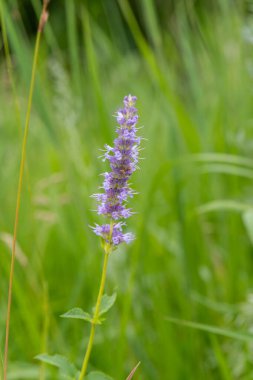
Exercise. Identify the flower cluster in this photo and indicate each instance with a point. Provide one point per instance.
(123, 159)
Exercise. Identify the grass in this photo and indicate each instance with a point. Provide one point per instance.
(192, 259)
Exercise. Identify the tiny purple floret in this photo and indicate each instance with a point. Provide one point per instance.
(123, 159)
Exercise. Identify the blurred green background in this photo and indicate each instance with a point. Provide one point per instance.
(190, 63)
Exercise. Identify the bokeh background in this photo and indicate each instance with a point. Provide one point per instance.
(190, 63)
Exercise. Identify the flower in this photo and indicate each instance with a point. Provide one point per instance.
(123, 159)
(116, 236)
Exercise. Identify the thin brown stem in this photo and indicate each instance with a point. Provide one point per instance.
(43, 19)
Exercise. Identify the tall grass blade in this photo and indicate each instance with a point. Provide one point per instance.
(73, 43)
(244, 336)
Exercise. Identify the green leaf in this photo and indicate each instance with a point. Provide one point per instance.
(220, 157)
(77, 313)
(242, 335)
(223, 205)
(96, 375)
(247, 217)
(60, 362)
(106, 303)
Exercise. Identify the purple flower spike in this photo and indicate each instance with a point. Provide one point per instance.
(123, 159)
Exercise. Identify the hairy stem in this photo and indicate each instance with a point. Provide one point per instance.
(108, 249)
(20, 182)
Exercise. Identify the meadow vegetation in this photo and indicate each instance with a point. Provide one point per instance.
(184, 305)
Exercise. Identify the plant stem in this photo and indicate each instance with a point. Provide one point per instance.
(9, 67)
(20, 182)
(108, 249)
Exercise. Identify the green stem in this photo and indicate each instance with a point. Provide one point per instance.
(108, 249)
(20, 182)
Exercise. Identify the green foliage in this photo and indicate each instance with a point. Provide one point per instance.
(106, 303)
(77, 313)
(245, 336)
(192, 258)
(248, 221)
(22, 371)
(97, 376)
(67, 369)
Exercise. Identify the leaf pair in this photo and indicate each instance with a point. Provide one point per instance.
(70, 372)
(68, 369)
(77, 313)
